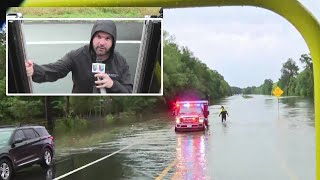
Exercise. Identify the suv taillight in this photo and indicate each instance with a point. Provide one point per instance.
(51, 137)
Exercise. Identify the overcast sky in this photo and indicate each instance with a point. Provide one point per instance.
(244, 44)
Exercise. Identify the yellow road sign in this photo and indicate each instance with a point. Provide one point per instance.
(277, 92)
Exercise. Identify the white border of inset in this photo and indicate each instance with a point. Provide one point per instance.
(85, 94)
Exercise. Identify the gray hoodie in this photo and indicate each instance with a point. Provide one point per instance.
(79, 62)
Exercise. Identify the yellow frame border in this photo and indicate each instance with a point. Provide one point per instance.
(291, 10)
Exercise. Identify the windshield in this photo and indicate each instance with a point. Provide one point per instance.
(191, 110)
(5, 137)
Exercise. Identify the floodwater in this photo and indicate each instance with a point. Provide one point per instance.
(263, 139)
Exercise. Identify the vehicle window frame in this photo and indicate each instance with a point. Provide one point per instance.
(34, 137)
(11, 136)
(14, 135)
(36, 133)
(42, 131)
(188, 110)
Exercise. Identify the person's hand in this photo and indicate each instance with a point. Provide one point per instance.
(29, 67)
(104, 82)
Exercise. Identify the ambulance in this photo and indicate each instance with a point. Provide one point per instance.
(191, 115)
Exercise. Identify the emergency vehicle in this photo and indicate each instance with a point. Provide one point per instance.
(191, 115)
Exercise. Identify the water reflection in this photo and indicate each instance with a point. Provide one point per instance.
(111, 167)
(36, 173)
(191, 157)
(269, 102)
(298, 111)
(225, 128)
(291, 102)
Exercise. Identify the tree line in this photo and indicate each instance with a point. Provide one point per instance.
(185, 72)
(292, 82)
(182, 72)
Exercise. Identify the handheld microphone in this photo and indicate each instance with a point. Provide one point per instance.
(99, 67)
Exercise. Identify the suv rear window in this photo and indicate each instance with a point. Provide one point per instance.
(42, 131)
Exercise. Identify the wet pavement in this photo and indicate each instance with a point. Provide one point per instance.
(257, 142)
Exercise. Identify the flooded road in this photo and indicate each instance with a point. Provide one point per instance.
(258, 142)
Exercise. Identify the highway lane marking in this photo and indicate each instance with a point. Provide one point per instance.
(288, 170)
(74, 42)
(94, 162)
(166, 170)
(284, 166)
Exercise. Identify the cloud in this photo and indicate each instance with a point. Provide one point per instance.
(239, 47)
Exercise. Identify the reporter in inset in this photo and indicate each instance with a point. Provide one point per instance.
(117, 77)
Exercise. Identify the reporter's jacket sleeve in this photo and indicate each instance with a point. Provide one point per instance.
(53, 71)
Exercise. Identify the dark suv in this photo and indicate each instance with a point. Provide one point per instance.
(23, 146)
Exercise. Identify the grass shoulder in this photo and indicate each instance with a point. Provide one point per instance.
(85, 12)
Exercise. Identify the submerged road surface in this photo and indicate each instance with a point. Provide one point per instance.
(257, 142)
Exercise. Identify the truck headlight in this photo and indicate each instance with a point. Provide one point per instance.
(177, 120)
(201, 120)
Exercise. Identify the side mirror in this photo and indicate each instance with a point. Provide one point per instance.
(208, 112)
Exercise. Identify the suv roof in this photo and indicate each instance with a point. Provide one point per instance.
(8, 126)
(30, 126)
(21, 126)
(41, 130)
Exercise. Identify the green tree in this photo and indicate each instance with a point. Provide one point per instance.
(249, 90)
(289, 72)
(305, 80)
(236, 90)
(184, 72)
(267, 87)
(307, 60)
(85, 106)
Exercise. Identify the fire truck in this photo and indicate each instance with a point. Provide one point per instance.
(191, 115)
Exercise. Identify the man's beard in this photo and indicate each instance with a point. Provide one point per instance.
(100, 51)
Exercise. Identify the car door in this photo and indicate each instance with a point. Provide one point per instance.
(18, 151)
(38, 143)
(33, 141)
